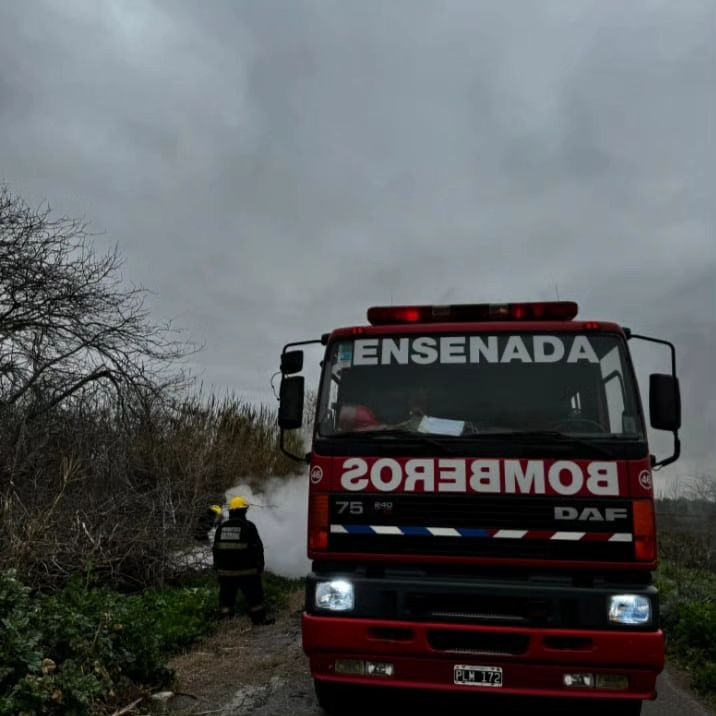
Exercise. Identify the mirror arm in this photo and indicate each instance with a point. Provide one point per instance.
(658, 464)
(298, 458)
(303, 343)
(664, 343)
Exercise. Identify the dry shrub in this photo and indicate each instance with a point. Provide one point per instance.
(98, 491)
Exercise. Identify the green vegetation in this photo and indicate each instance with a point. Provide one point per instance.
(688, 612)
(87, 649)
(687, 582)
(277, 590)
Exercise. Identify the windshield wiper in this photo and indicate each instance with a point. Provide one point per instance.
(551, 437)
(396, 434)
(546, 435)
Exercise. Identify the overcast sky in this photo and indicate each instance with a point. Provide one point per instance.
(271, 169)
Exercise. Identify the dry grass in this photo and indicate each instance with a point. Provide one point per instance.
(93, 490)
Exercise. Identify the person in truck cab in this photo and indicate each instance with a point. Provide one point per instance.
(354, 418)
(398, 408)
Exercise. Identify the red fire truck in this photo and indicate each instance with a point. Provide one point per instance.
(481, 509)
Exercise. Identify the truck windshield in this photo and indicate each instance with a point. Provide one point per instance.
(459, 385)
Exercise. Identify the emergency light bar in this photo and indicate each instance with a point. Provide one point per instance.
(546, 311)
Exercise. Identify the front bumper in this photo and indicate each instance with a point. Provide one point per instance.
(537, 671)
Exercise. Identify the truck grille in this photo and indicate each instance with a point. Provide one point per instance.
(479, 608)
(478, 643)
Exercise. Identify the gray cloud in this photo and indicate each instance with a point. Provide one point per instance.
(271, 169)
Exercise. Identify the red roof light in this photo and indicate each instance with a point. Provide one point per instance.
(412, 315)
(546, 311)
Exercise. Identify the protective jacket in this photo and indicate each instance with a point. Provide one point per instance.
(238, 550)
(206, 522)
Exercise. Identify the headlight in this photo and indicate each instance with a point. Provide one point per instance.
(336, 595)
(629, 609)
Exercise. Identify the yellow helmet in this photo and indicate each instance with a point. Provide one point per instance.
(238, 503)
(216, 509)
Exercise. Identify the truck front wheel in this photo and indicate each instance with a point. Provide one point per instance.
(622, 708)
(333, 698)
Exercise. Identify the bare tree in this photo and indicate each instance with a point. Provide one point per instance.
(703, 487)
(69, 325)
(107, 457)
(84, 373)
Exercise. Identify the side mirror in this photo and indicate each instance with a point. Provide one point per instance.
(290, 410)
(664, 402)
(291, 362)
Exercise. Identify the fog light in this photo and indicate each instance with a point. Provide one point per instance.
(354, 667)
(616, 682)
(579, 681)
(336, 595)
(376, 668)
(632, 609)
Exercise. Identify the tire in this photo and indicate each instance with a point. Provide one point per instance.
(328, 696)
(622, 708)
(334, 699)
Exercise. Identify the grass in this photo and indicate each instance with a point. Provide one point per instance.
(688, 613)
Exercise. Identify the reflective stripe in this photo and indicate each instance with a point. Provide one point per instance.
(231, 545)
(510, 534)
(568, 536)
(259, 608)
(236, 572)
(621, 537)
(443, 532)
(479, 532)
(386, 530)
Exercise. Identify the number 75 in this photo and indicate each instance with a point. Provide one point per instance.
(349, 506)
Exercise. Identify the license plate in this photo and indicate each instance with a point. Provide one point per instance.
(486, 676)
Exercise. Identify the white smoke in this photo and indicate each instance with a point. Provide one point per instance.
(280, 512)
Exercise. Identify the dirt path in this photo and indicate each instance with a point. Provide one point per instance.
(248, 670)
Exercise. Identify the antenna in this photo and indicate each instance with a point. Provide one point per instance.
(556, 291)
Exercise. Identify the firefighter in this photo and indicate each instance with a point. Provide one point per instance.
(210, 519)
(239, 563)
